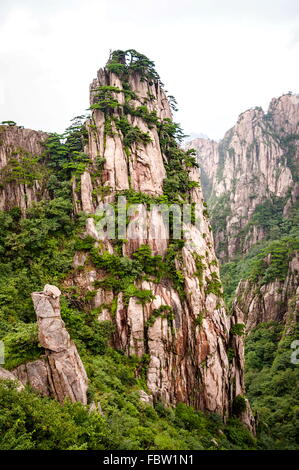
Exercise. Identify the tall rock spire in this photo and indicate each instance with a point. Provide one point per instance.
(167, 308)
(60, 373)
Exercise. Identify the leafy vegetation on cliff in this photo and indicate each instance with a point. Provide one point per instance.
(269, 259)
(40, 249)
(273, 384)
(271, 378)
(125, 64)
(124, 422)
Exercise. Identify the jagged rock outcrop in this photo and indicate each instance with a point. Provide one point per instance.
(251, 182)
(255, 304)
(174, 318)
(144, 171)
(22, 177)
(6, 375)
(60, 374)
(187, 350)
(256, 161)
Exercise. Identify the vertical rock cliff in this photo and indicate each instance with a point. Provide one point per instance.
(162, 294)
(251, 182)
(155, 278)
(251, 171)
(22, 176)
(257, 303)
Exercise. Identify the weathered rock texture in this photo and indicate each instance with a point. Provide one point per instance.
(22, 177)
(188, 360)
(270, 302)
(256, 161)
(61, 373)
(187, 351)
(250, 179)
(144, 171)
(6, 375)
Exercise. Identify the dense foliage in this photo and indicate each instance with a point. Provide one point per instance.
(40, 248)
(29, 421)
(130, 61)
(273, 384)
(269, 259)
(271, 378)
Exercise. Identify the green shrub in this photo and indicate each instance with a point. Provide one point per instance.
(143, 295)
(31, 422)
(200, 267)
(105, 101)
(214, 285)
(190, 419)
(164, 311)
(152, 265)
(131, 134)
(64, 153)
(23, 168)
(272, 384)
(86, 329)
(239, 405)
(238, 329)
(34, 251)
(239, 435)
(130, 61)
(21, 345)
(199, 319)
(86, 243)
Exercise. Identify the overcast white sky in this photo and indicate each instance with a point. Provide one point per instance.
(217, 57)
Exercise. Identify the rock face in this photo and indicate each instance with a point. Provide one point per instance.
(251, 182)
(188, 350)
(270, 302)
(175, 319)
(61, 373)
(256, 161)
(6, 375)
(22, 179)
(144, 171)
